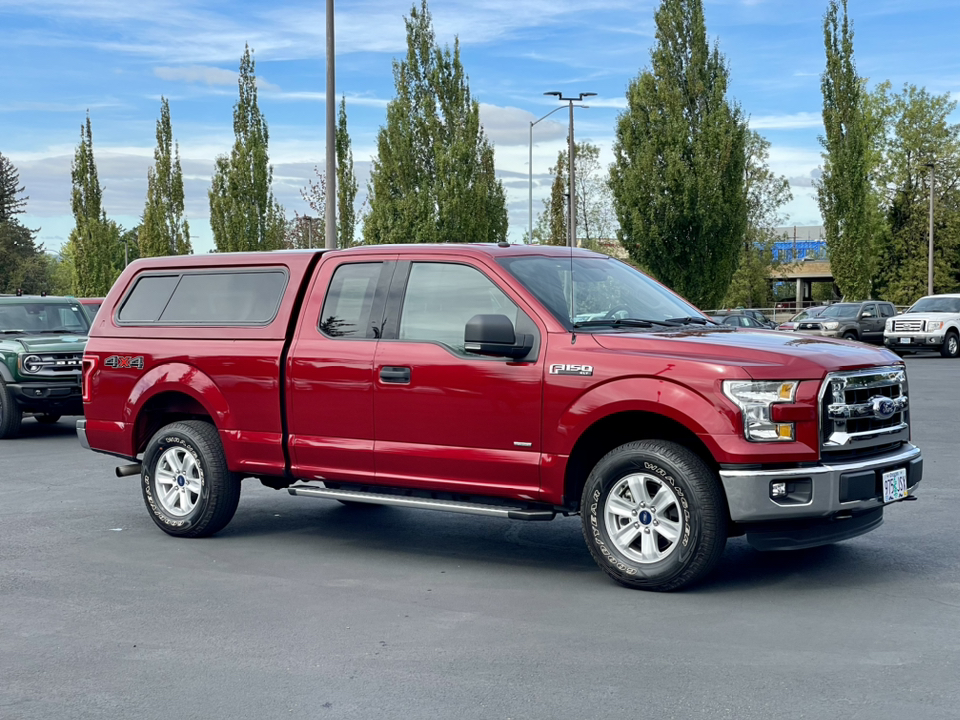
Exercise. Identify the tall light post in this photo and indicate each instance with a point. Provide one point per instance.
(572, 195)
(930, 245)
(530, 166)
(331, 97)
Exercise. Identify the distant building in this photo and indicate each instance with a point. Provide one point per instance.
(799, 243)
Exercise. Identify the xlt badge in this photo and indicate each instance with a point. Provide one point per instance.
(559, 369)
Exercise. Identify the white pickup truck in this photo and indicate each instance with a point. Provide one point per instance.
(932, 323)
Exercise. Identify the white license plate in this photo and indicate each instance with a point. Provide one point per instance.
(894, 485)
(905, 341)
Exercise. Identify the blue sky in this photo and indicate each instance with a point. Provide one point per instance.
(118, 58)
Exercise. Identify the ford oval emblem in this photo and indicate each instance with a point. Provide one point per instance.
(883, 408)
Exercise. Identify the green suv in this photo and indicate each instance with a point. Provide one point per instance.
(41, 348)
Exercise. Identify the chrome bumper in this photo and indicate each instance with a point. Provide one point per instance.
(82, 433)
(749, 491)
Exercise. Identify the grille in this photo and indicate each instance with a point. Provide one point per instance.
(808, 326)
(908, 325)
(53, 364)
(864, 411)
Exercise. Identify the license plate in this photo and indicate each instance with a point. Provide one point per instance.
(894, 485)
(905, 341)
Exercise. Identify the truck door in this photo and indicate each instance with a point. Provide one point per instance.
(447, 418)
(871, 324)
(330, 381)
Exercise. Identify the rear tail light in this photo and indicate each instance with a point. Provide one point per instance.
(86, 381)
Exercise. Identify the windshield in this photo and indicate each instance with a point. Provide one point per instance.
(936, 305)
(604, 289)
(37, 318)
(840, 310)
(805, 314)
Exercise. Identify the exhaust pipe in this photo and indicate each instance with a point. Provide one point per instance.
(127, 470)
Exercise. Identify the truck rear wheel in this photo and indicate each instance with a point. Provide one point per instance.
(10, 413)
(653, 516)
(951, 345)
(186, 485)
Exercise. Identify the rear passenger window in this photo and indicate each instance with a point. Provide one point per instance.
(348, 307)
(886, 311)
(206, 298)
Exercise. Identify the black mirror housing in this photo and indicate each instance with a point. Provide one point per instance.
(494, 335)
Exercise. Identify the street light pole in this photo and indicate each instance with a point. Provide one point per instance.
(930, 244)
(571, 149)
(530, 167)
(331, 95)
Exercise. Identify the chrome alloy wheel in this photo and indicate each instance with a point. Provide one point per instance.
(178, 481)
(953, 345)
(643, 517)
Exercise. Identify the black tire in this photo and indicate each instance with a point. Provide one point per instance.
(696, 503)
(208, 510)
(10, 413)
(951, 345)
(850, 335)
(47, 419)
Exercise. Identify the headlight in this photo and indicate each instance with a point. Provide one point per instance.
(890, 325)
(31, 363)
(755, 400)
(831, 325)
(934, 325)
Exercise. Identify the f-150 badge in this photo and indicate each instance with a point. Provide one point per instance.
(124, 362)
(559, 369)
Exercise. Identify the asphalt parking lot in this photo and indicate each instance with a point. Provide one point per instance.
(306, 608)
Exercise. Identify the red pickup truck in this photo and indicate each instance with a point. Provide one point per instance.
(504, 380)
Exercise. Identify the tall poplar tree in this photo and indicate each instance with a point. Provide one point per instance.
(844, 191)
(433, 179)
(243, 212)
(552, 222)
(346, 181)
(164, 229)
(677, 178)
(94, 239)
(10, 190)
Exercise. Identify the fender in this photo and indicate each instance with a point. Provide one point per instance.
(181, 378)
(660, 396)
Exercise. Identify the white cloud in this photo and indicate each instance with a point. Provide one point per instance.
(787, 122)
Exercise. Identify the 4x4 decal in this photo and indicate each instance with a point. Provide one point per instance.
(124, 362)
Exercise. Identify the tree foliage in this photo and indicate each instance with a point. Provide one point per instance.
(677, 178)
(243, 212)
(766, 193)
(346, 181)
(551, 228)
(94, 239)
(433, 179)
(847, 204)
(164, 230)
(10, 190)
(919, 132)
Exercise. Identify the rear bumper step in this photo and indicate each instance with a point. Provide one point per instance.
(457, 506)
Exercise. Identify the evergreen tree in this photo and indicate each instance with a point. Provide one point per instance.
(10, 188)
(552, 222)
(243, 212)
(844, 192)
(433, 179)
(94, 239)
(164, 230)
(766, 194)
(677, 178)
(346, 181)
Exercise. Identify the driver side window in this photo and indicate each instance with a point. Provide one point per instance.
(441, 297)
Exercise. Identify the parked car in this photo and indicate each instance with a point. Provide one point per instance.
(931, 323)
(807, 314)
(41, 346)
(862, 321)
(91, 306)
(739, 320)
(757, 315)
(459, 378)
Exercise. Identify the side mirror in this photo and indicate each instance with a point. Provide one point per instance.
(867, 315)
(494, 335)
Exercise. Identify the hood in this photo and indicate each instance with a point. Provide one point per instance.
(51, 343)
(944, 316)
(763, 354)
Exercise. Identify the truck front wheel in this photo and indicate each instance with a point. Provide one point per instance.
(186, 485)
(10, 413)
(653, 516)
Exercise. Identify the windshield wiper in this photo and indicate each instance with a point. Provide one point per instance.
(626, 322)
(689, 321)
(60, 332)
(12, 332)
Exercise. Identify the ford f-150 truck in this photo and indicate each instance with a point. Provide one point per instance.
(504, 380)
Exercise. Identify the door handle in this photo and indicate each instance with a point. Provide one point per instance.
(398, 375)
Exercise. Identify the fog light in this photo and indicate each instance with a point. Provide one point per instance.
(778, 489)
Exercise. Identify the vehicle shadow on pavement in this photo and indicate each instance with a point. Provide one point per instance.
(30, 429)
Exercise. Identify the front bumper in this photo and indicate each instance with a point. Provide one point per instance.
(52, 398)
(913, 341)
(817, 495)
